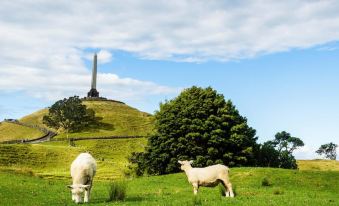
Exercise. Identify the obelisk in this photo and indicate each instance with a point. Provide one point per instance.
(93, 93)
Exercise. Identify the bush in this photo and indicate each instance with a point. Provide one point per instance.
(117, 191)
(266, 182)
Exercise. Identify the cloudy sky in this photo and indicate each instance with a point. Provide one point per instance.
(278, 61)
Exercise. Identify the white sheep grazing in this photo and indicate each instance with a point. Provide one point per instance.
(208, 176)
(83, 169)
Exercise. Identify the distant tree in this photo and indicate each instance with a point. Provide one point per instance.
(278, 152)
(329, 150)
(69, 114)
(267, 155)
(197, 125)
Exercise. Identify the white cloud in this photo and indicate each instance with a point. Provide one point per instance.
(104, 56)
(308, 152)
(305, 153)
(46, 41)
(54, 85)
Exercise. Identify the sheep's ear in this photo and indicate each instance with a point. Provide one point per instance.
(191, 161)
(180, 162)
(70, 186)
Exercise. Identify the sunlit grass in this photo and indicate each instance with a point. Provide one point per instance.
(10, 131)
(290, 187)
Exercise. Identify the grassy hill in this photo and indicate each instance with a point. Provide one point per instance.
(115, 119)
(9, 131)
(53, 159)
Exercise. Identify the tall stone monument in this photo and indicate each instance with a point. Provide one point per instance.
(93, 93)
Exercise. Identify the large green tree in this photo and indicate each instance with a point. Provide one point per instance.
(329, 150)
(69, 114)
(197, 125)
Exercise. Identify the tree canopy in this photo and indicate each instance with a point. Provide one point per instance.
(278, 152)
(329, 150)
(69, 114)
(197, 125)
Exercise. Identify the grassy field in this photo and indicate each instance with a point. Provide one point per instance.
(37, 174)
(115, 119)
(320, 165)
(288, 187)
(9, 131)
(52, 159)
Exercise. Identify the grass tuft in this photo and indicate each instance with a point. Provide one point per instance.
(266, 182)
(117, 191)
(278, 191)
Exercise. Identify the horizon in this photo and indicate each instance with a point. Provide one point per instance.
(278, 67)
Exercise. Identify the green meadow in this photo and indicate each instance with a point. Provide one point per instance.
(37, 174)
(288, 187)
(52, 159)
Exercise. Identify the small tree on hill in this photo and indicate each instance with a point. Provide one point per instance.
(69, 114)
(329, 150)
(278, 152)
(197, 125)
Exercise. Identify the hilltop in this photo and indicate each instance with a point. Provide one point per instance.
(115, 119)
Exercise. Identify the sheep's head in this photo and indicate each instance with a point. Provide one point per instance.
(77, 191)
(185, 164)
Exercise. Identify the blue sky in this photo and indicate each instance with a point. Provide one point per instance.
(278, 62)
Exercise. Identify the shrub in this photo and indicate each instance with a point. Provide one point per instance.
(266, 182)
(117, 191)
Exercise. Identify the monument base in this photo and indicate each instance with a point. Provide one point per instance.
(93, 93)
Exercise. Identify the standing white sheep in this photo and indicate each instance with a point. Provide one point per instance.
(208, 176)
(83, 169)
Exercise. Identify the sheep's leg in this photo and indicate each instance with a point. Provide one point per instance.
(87, 194)
(86, 198)
(228, 187)
(195, 188)
(230, 190)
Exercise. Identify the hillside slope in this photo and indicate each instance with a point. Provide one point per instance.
(10, 131)
(53, 159)
(115, 119)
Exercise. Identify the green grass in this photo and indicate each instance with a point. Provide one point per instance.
(38, 174)
(323, 165)
(115, 119)
(289, 187)
(9, 131)
(53, 159)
